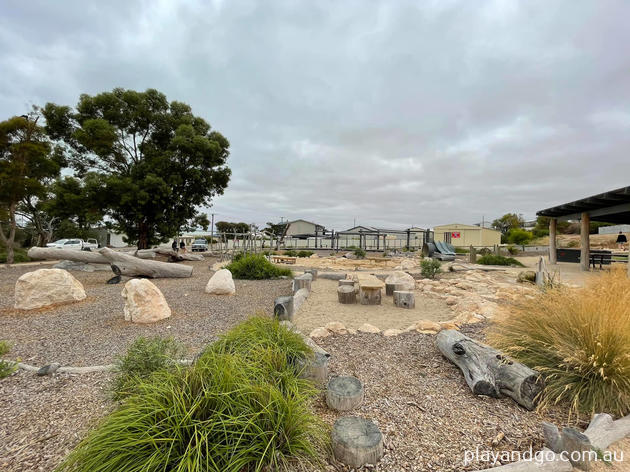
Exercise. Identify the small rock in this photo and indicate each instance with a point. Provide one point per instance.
(450, 301)
(368, 328)
(336, 327)
(320, 332)
(448, 325)
(48, 369)
(427, 327)
(392, 332)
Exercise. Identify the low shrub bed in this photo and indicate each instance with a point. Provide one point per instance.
(19, 255)
(579, 339)
(240, 407)
(256, 266)
(305, 253)
(492, 259)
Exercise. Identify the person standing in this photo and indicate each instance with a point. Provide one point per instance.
(621, 240)
(174, 245)
(182, 246)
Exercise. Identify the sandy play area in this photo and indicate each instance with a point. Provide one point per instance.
(322, 307)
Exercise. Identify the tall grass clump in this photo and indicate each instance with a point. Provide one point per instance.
(144, 357)
(257, 267)
(579, 340)
(223, 413)
(492, 259)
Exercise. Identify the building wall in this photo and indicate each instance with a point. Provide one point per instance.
(300, 227)
(468, 235)
(613, 229)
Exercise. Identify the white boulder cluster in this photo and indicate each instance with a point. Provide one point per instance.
(144, 302)
(421, 326)
(475, 296)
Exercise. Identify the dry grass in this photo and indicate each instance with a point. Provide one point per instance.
(579, 340)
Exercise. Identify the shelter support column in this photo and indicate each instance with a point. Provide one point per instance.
(585, 253)
(553, 224)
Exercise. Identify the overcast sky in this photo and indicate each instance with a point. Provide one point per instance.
(392, 113)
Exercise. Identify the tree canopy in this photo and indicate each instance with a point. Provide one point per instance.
(507, 222)
(27, 163)
(150, 163)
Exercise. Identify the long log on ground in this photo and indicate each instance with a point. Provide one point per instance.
(172, 255)
(124, 264)
(603, 431)
(121, 263)
(487, 371)
(53, 254)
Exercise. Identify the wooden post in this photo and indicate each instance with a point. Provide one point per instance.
(472, 255)
(553, 256)
(585, 253)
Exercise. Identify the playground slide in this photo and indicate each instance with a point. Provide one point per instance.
(441, 247)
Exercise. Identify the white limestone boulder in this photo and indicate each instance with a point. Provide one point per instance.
(221, 283)
(401, 279)
(46, 287)
(144, 302)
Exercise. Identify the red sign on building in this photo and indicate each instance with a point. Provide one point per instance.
(455, 234)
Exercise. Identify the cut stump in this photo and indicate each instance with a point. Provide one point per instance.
(356, 441)
(313, 272)
(370, 295)
(391, 288)
(344, 393)
(303, 281)
(404, 299)
(346, 295)
(346, 282)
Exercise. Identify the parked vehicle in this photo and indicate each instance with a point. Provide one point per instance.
(75, 243)
(199, 245)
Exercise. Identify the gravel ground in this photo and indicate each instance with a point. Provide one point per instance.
(43, 418)
(94, 331)
(423, 406)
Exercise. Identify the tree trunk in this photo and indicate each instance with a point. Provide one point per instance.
(487, 371)
(143, 235)
(11, 239)
(172, 255)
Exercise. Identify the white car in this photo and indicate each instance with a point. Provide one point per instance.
(200, 245)
(76, 244)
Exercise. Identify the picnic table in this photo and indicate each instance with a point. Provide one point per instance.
(283, 259)
(369, 289)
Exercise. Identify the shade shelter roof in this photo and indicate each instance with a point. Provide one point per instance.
(611, 207)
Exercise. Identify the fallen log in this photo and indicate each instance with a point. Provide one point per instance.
(172, 255)
(124, 264)
(487, 371)
(53, 254)
(121, 263)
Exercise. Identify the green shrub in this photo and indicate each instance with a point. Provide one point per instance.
(519, 236)
(19, 255)
(484, 251)
(305, 253)
(512, 250)
(573, 243)
(492, 259)
(579, 340)
(6, 367)
(224, 413)
(360, 253)
(257, 267)
(462, 250)
(144, 357)
(291, 253)
(430, 268)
